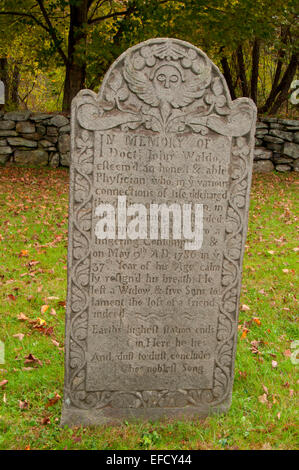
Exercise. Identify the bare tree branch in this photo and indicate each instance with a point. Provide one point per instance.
(52, 31)
(26, 15)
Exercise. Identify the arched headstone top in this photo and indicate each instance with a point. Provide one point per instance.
(168, 86)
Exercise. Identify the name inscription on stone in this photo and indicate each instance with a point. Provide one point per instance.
(151, 325)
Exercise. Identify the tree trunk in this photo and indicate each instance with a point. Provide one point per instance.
(228, 77)
(14, 96)
(76, 61)
(285, 84)
(242, 71)
(255, 69)
(275, 85)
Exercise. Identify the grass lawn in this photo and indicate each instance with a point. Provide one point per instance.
(33, 244)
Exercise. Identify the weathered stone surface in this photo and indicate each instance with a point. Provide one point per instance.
(8, 133)
(152, 323)
(41, 116)
(277, 158)
(270, 119)
(21, 142)
(52, 131)
(275, 147)
(283, 168)
(65, 159)
(296, 137)
(54, 160)
(4, 159)
(64, 143)
(274, 140)
(263, 166)
(46, 143)
(65, 129)
(41, 129)
(25, 127)
(262, 154)
(31, 157)
(5, 150)
(261, 125)
(34, 136)
(261, 133)
(7, 125)
(17, 116)
(59, 121)
(291, 149)
(275, 125)
(3, 142)
(289, 122)
(296, 165)
(258, 142)
(282, 135)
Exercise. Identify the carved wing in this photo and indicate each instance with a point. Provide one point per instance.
(192, 90)
(140, 84)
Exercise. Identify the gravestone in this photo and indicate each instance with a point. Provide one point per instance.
(153, 293)
(2, 93)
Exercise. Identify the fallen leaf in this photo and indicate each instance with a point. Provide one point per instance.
(20, 336)
(22, 317)
(23, 405)
(44, 308)
(257, 320)
(45, 421)
(32, 359)
(263, 398)
(23, 253)
(55, 343)
(3, 383)
(287, 353)
(244, 333)
(274, 364)
(53, 312)
(53, 400)
(266, 446)
(28, 447)
(244, 307)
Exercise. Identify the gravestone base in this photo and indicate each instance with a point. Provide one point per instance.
(75, 417)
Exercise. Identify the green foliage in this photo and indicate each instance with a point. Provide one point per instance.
(42, 44)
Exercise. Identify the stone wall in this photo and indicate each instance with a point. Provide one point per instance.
(35, 139)
(276, 145)
(44, 139)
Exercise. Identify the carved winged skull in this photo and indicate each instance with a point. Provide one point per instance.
(165, 86)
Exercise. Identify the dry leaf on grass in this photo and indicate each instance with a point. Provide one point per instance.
(20, 336)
